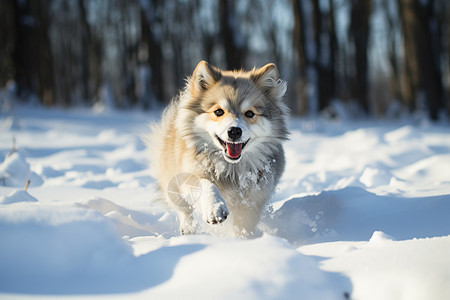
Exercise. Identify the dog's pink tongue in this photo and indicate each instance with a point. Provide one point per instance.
(234, 150)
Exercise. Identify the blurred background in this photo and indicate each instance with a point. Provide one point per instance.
(341, 58)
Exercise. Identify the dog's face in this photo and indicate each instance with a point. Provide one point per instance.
(238, 112)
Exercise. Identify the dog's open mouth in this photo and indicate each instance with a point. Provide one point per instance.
(232, 150)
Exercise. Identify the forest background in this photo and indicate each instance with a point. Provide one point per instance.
(341, 58)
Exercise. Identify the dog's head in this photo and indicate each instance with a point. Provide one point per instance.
(240, 113)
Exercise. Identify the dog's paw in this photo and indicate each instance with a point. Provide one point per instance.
(187, 225)
(216, 213)
(187, 230)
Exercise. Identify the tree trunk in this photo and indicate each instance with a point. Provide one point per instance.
(421, 75)
(299, 34)
(232, 39)
(394, 79)
(305, 69)
(359, 33)
(45, 58)
(32, 51)
(153, 46)
(7, 37)
(85, 49)
(325, 40)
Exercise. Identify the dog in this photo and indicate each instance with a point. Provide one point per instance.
(218, 148)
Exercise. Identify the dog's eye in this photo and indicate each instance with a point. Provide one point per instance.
(219, 112)
(249, 114)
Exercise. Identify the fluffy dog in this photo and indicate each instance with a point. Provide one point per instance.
(218, 147)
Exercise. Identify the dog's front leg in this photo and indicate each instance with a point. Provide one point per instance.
(214, 209)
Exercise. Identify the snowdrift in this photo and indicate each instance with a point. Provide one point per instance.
(360, 213)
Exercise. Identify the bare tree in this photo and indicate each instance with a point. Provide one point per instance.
(151, 41)
(326, 48)
(232, 39)
(304, 63)
(394, 61)
(421, 75)
(7, 39)
(32, 52)
(90, 56)
(359, 33)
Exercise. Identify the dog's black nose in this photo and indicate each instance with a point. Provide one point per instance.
(234, 133)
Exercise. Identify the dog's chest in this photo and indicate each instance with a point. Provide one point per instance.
(247, 188)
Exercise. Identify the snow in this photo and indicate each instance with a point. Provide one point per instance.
(386, 269)
(17, 196)
(14, 169)
(353, 214)
(360, 213)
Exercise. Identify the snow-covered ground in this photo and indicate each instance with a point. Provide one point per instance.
(362, 212)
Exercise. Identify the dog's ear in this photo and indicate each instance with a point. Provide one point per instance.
(204, 76)
(268, 79)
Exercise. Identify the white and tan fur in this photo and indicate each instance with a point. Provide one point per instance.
(236, 156)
